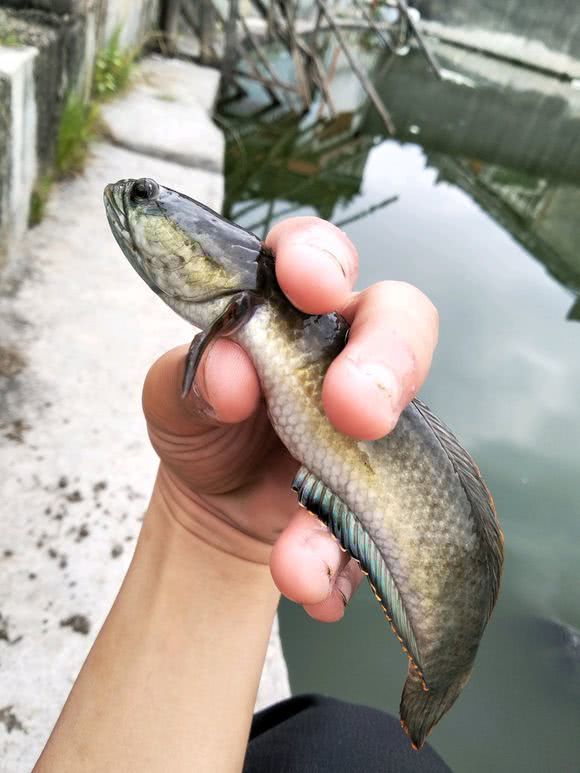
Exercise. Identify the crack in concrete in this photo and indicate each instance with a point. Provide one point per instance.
(194, 162)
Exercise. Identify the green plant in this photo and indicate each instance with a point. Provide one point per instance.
(38, 199)
(78, 125)
(113, 68)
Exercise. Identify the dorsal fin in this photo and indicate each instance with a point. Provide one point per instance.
(478, 494)
(317, 497)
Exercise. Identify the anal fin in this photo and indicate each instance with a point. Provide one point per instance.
(317, 497)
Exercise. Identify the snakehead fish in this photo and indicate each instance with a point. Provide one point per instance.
(411, 507)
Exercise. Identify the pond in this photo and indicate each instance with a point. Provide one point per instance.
(477, 202)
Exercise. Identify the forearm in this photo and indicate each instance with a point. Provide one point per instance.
(171, 680)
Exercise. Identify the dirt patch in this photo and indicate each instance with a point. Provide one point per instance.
(5, 631)
(77, 623)
(10, 721)
(82, 533)
(15, 430)
(12, 362)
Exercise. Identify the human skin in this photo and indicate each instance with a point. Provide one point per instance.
(171, 680)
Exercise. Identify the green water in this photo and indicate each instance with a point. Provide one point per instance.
(493, 237)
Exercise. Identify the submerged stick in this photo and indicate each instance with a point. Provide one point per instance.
(358, 71)
(404, 9)
(368, 211)
(374, 26)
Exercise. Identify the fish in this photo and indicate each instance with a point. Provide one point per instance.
(411, 507)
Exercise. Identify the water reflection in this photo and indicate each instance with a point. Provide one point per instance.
(542, 214)
(490, 110)
(483, 216)
(506, 136)
(289, 164)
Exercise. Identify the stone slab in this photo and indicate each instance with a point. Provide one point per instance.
(166, 115)
(174, 80)
(77, 338)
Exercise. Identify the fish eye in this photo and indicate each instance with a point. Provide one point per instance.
(144, 189)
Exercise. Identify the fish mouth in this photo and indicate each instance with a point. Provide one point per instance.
(114, 198)
(114, 207)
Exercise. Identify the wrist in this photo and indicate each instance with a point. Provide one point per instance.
(200, 524)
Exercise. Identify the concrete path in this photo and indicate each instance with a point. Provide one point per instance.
(77, 338)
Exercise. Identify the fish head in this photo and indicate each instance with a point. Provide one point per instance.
(183, 250)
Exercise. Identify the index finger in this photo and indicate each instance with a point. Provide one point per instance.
(316, 263)
(393, 334)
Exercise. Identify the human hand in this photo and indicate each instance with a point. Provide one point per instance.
(225, 476)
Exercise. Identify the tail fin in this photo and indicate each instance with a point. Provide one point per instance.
(421, 708)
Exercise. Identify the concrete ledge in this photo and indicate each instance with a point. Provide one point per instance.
(18, 132)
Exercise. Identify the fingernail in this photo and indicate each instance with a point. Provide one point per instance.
(328, 254)
(325, 258)
(200, 404)
(344, 588)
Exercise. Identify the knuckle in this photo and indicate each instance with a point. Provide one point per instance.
(395, 294)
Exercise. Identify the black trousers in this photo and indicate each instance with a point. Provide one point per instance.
(313, 734)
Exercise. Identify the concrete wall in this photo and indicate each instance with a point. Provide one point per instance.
(555, 24)
(501, 113)
(135, 19)
(51, 52)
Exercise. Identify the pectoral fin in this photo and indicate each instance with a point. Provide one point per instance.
(236, 314)
(317, 497)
